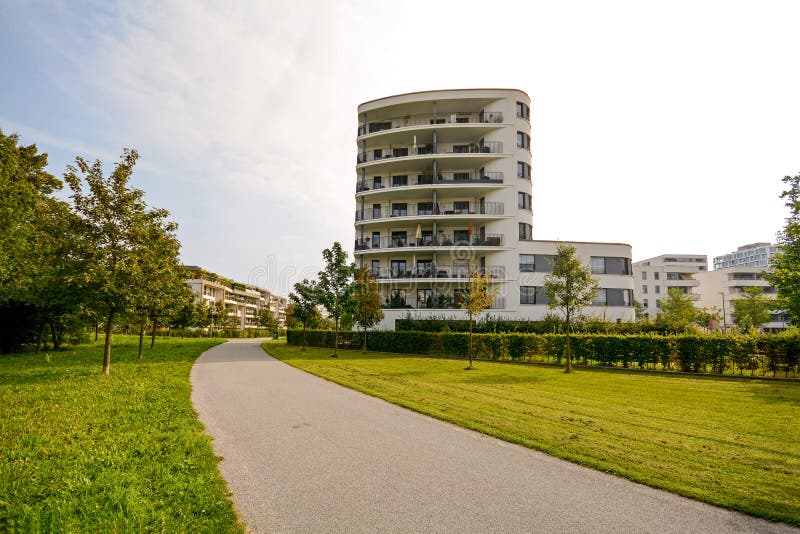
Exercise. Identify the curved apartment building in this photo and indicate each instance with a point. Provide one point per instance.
(444, 187)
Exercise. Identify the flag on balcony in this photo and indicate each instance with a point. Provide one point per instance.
(469, 229)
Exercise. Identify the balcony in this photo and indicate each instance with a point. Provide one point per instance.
(428, 301)
(430, 273)
(429, 209)
(428, 179)
(428, 119)
(442, 149)
(442, 240)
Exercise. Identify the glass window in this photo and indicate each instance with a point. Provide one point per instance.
(523, 140)
(376, 211)
(600, 299)
(398, 298)
(598, 264)
(376, 268)
(399, 239)
(523, 111)
(644, 289)
(376, 240)
(523, 200)
(400, 180)
(656, 276)
(658, 289)
(425, 208)
(461, 176)
(644, 275)
(461, 237)
(527, 263)
(525, 232)
(424, 298)
(400, 210)
(544, 263)
(527, 295)
(376, 182)
(523, 170)
(398, 268)
(610, 265)
(461, 207)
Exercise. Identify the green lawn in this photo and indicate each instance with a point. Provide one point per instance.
(730, 442)
(82, 452)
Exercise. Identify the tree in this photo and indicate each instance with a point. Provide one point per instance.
(785, 272)
(478, 298)
(569, 288)
(117, 229)
(753, 309)
(368, 303)
(267, 321)
(335, 287)
(677, 311)
(303, 304)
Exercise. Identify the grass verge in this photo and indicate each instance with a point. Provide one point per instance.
(83, 452)
(728, 442)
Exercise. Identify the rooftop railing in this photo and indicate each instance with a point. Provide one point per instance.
(442, 240)
(427, 119)
(422, 209)
(404, 151)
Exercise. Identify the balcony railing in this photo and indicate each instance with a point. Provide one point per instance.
(422, 209)
(437, 271)
(448, 178)
(440, 301)
(427, 119)
(404, 151)
(442, 240)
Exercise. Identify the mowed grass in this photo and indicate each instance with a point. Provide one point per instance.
(83, 452)
(730, 442)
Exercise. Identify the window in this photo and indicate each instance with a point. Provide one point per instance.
(398, 268)
(673, 276)
(527, 263)
(376, 211)
(376, 182)
(523, 201)
(379, 126)
(427, 238)
(438, 121)
(462, 120)
(399, 180)
(399, 239)
(376, 240)
(544, 263)
(618, 297)
(645, 303)
(644, 275)
(400, 152)
(532, 295)
(610, 265)
(400, 210)
(460, 176)
(398, 298)
(600, 299)
(424, 268)
(525, 232)
(425, 208)
(376, 268)
(658, 289)
(523, 140)
(523, 111)
(523, 170)
(461, 237)
(461, 207)
(656, 276)
(424, 298)
(644, 289)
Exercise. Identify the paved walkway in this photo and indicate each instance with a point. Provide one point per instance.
(304, 455)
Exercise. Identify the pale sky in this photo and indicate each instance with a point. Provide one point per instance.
(666, 125)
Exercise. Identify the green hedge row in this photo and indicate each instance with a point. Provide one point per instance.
(696, 353)
(549, 325)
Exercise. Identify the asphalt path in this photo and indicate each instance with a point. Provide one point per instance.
(302, 454)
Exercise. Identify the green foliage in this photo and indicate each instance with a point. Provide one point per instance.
(335, 285)
(733, 443)
(752, 309)
(691, 353)
(785, 272)
(81, 452)
(368, 301)
(570, 288)
(677, 311)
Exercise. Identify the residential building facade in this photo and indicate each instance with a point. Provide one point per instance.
(242, 302)
(654, 277)
(443, 188)
(752, 255)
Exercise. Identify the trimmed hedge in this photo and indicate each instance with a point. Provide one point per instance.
(692, 353)
(550, 325)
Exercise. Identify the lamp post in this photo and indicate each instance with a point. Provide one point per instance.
(724, 315)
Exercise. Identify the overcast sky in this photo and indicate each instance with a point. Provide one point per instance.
(666, 125)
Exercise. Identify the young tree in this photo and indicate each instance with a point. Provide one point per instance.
(753, 309)
(368, 303)
(335, 288)
(785, 272)
(303, 304)
(117, 227)
(677, 311)
(477, 299)
(569, 288)
(267, 321)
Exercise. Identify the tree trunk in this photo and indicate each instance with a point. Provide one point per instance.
(107, 348)
(304, 336)
(96, 331)
(335, 339)
(569, 349)
(141, 338)
(39, 339)
(470, 343)
(153, 339)
(54, 335)
(364, 346)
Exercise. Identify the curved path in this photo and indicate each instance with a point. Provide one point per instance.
(305, 455)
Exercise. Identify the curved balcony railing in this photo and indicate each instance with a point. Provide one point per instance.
(427, 119)
(404, 151)
(437, 271)
(448, 178)
(422, 209)
(442, 240)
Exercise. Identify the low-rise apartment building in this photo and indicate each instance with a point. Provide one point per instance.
(654, 277)
(243, 302)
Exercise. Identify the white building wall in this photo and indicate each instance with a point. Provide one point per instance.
(654, 277)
